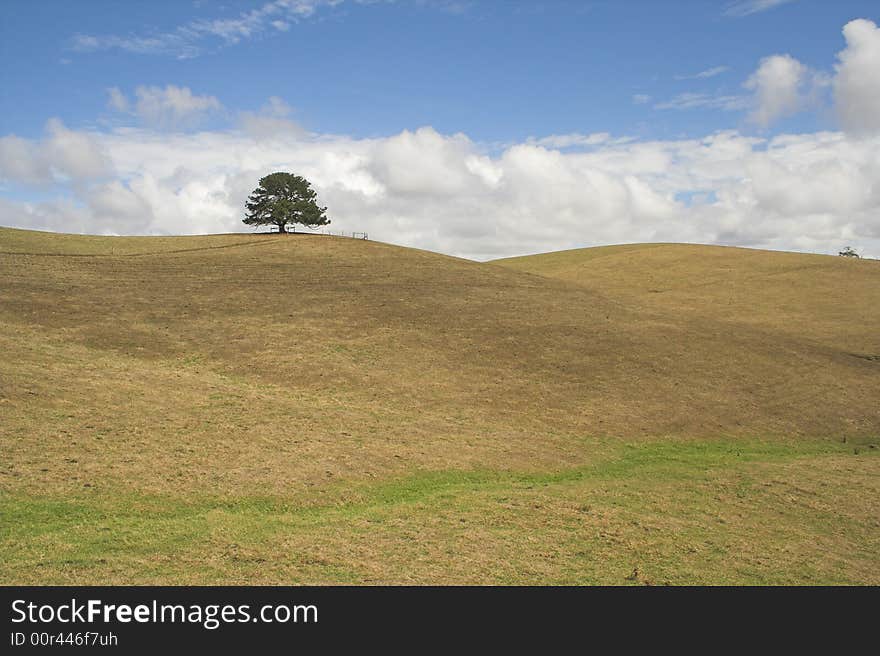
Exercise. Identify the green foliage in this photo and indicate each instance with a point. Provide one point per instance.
(283, 199)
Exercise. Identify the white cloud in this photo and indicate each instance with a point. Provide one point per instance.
(168, 107)
(271, 121)
(62, 215)
(188, 40)
(117, 100)
(177, 44)
(690, 100)
(703, 75)
(73, 154)
(61, 156)
(441, 192)
(426, 163)
(22, 161)
(857, 83)
(641, 99)
(778, 87)
(783, 86)
(749, 7)
(574, 139)
(114, 202)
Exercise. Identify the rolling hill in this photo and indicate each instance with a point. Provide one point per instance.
(828, 300)
(311, 409)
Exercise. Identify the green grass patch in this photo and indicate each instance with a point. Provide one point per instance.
(679, 511)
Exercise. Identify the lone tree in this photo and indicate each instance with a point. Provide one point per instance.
(282, 199)
(848, 252)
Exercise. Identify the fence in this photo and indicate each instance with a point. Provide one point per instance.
(333, 233)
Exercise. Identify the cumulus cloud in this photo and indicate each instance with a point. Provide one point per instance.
(271, 121)
(783, 86)
(777, 85)
(116, 202)
(64, 215)
(447, 193)
(857, 82)
(168, 107)
(62, 155)
(426, 163)
(22, 161)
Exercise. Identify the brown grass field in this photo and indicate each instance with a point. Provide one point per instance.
(295, 409)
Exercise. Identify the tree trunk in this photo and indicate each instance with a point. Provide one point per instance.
(281, 229)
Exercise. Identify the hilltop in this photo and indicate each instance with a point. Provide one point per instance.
(826, 299)
(251, 396)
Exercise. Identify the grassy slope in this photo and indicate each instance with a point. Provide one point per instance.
(829, 300)
(311, 409)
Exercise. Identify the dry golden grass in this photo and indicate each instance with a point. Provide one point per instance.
(830, 300)
(258, 408)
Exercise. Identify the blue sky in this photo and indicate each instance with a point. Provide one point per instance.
(102, 98)
(497, 71)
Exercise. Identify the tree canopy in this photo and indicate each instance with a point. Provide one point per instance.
(284, 199)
